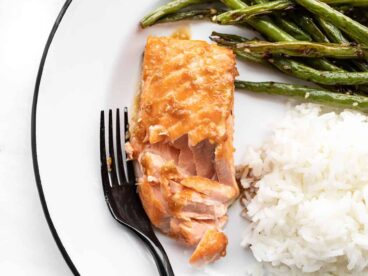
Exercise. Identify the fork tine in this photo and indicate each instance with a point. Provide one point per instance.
(126, 124)
(112, 168)
(129, 163)
(120, 168)
(103, 160)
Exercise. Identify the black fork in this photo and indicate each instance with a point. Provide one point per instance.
(121, 196)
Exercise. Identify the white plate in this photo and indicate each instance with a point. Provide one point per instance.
(93, 63)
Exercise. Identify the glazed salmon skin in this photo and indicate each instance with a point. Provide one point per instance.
(182, 139)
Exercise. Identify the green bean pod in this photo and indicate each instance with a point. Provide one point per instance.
(351, 3)
(196, 14)
(331, 31)
(301, 71)
(230, 40)
(307, 23)
(305, 49)
(169, 8)
(291, 28)
(264, 25)
(274, 33)
(354, 29)
(305, 93)
(244, 14)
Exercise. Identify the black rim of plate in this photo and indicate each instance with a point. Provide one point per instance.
(36, 169)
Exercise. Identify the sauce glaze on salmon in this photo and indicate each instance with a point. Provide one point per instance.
(182, 138)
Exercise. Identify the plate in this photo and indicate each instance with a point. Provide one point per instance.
(92, 62)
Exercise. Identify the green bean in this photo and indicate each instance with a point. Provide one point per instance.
(323, 64)
(287, 25)
(274, 33)
(195, 14)
(291, 67)
(169, 8)
(304, 72)
(351, 3)
(307, 23)
(244, 14)
(250, 57)
(305, 49)
(232, 40)
(291, 28)
(333, 33)
(264, 25)
(354, 29)
(305, 93)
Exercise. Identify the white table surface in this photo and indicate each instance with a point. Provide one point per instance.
(26, 245)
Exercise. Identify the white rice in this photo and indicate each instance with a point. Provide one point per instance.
(310, 213)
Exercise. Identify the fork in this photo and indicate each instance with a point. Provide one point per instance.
(119, 187)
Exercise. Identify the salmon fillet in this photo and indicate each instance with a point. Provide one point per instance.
(182, 138)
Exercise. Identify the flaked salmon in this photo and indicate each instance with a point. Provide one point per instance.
(182, 138)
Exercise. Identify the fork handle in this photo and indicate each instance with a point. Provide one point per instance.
(159, 254)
